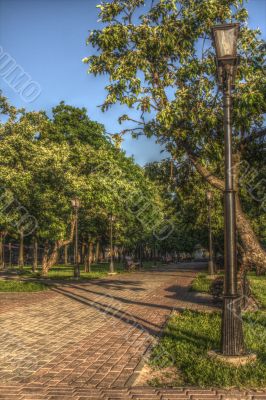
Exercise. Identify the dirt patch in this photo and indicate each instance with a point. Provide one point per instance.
(161, 377)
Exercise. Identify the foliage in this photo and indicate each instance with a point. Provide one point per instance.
(184, 194)
(65, 156)
(161, 64)
(188, 337)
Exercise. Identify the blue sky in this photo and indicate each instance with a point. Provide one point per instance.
(47, 39)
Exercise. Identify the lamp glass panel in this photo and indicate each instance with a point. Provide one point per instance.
(225, 42)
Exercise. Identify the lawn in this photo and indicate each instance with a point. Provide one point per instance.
(21, 286)
(67, 271)
(201, 283)
(258, 286)
(189, 335)
(186, 340)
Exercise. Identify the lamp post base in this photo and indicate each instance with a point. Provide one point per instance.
(233, 360)
(232, 327)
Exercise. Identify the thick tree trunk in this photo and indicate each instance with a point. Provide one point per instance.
(49, 258)
(21, 250)
(255, 255)
(35, 254)
(50, 255)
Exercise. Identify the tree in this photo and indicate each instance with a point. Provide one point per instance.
(160, 61)
(45, 162)
(184, 197)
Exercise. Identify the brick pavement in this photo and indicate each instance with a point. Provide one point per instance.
(86, 340)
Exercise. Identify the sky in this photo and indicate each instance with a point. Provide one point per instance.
(47, 41)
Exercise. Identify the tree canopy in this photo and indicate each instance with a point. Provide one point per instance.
(45, 162)
(160, 62)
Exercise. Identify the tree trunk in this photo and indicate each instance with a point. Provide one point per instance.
(66, 254)
(255, 255)
(21, 250)
(83, 250)
(35, 254)
(89, 256)
(1, 250)
(50, 258)
(97, 251)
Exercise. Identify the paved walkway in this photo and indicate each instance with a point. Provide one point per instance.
(86, 340)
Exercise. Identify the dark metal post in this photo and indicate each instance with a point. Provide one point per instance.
(111, 267)
(232, 332)
(76, 261)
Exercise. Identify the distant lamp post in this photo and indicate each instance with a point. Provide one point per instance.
(210, 263)
(225, 43)
(76, 205)
(111, 266)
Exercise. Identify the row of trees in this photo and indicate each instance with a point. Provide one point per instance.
(45, 162)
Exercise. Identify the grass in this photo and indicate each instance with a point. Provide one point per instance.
(187, 338)
(20, 286)
(258, 286)
(201, 283)
(67, 271)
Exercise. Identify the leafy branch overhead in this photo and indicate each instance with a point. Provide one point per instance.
(160, 62)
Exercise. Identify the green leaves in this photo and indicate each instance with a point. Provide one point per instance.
(46, 162)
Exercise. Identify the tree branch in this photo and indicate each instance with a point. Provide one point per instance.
(72, 228)
(203, 171)
(255, 135)
(206, 174)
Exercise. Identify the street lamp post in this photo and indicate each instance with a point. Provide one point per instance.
(210, 263)
(111, 266)
(76, 205)
(225, 42)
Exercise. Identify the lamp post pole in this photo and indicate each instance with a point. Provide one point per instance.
(232, 331)
(111, 267)
(232, 342)
(210, 263)
(76, 205)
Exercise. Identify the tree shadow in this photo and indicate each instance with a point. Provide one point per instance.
(184, 294)
(115, 312)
